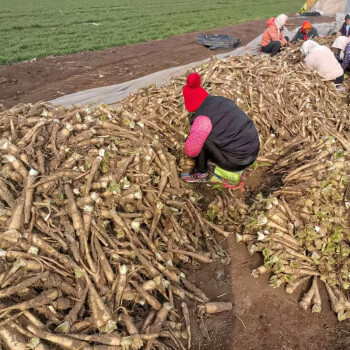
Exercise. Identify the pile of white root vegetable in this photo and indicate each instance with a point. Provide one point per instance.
(97, 228)
(95, 225)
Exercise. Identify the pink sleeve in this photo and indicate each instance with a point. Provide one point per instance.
(200, 130)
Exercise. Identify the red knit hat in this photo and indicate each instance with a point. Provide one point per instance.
(306, 25)
(193, 93)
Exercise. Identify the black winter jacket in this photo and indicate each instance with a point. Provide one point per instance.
(232, 130)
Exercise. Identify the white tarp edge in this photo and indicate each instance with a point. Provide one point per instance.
(114, 93)
(332, 7)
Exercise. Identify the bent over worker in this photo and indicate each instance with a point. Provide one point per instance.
(220, 132)
(345, 28)
(273, 39)
(322, 59)
(342, 46)
(305, 32)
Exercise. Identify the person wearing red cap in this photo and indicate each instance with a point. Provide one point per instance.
(220, 132)
(305, 32)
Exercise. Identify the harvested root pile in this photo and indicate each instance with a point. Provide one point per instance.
(95, 226)
(302, 229)
(281, 95)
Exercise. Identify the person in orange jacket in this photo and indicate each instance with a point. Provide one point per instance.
(273, 39)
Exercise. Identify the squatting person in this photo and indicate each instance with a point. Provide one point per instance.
(341, 46)
(220, 132)
(273, 39)
(345, 28)
(305, 32)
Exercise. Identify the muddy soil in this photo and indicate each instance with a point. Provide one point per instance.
(51, 77)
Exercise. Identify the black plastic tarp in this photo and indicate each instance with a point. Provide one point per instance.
(218, 41)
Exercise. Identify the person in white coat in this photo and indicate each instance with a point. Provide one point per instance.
(322, 59)
(341, 47)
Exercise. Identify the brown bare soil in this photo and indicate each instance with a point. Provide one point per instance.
(51, 77)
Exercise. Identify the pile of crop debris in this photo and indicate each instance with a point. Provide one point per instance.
(97, 229)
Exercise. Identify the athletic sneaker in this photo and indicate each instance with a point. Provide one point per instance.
(340, 88)
(194, 177)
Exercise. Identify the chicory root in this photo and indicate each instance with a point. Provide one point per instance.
(64, 342)
(153, 302)
(186, 315)
(29, 194)
(192, 288)
(24, 284)
(100, 313)
(110, 339)
(72, 316)
(64, 173)
(216, 307)
(156, 326)
(204, 258)
(17, 165)
(129, 324)
(12, 339)
(104, 263)
(336, 305)
(6, 195)
(292, 286)
(316, 300)
(16, 220)
(259, 271)
(162, 183)
(148, 320)
(156, 217)
(121, 284)
(33, 319)
(44, 298)
(94, 168)
(307, 298)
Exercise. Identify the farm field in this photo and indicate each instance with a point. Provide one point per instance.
(30, 29)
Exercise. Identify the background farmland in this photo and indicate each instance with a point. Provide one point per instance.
(34, 28)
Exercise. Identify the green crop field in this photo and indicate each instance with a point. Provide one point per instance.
(34, 28)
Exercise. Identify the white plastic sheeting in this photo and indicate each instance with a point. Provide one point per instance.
(115, 93)
(332, 7)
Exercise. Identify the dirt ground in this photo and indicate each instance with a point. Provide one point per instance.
(51, 77)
